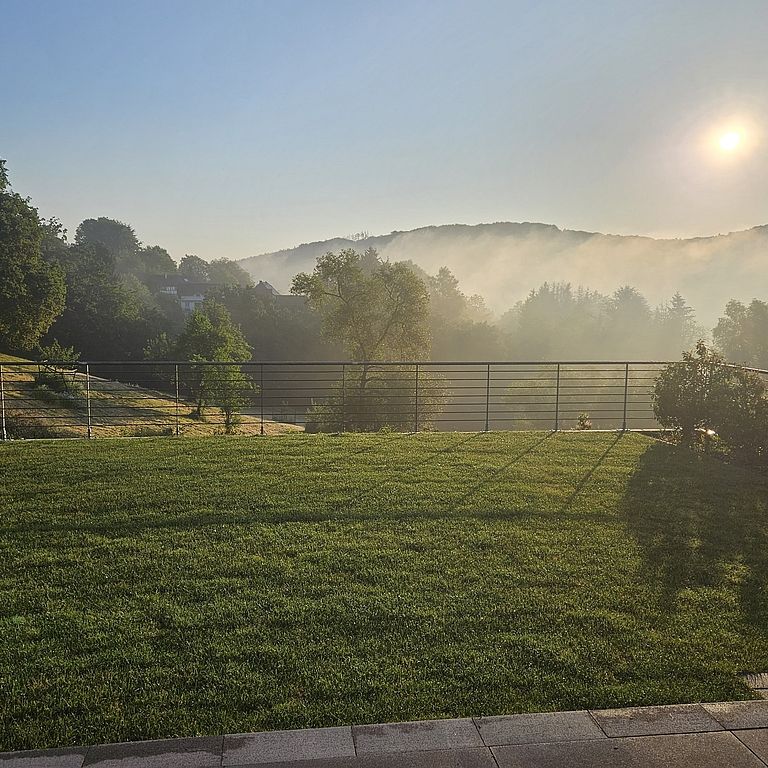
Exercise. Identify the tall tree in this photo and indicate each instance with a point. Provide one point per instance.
(117, 238)
(107, 316)
(226, 272)
(32, 291)
(376, 310)
(156, 260)
(677, 327)
(194, 268)
(742, 335)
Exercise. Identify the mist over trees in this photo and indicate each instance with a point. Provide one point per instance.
(102, 294)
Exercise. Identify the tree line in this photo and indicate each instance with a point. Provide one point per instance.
(97, 296)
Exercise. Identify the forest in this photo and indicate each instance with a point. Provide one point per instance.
(102, 295)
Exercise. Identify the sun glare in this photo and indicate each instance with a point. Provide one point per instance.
(729, 141)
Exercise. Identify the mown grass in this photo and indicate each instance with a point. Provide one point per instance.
(159, 587)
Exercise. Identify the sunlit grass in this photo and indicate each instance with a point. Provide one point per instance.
(175, 587)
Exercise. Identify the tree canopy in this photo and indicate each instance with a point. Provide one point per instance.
(375, 309)
(32, 292)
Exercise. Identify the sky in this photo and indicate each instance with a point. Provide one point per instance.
(228, 128)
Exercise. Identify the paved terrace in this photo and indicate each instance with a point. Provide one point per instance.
(723, 735)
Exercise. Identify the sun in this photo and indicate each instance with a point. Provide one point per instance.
(730, 141)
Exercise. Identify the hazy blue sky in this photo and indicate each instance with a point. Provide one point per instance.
(230, 128)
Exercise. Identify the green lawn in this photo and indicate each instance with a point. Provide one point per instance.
(169, 587)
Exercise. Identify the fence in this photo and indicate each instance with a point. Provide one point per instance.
(97, 399)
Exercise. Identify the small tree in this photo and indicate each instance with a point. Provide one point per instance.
(210, 335)
(688, 393)
(228, 388)
(57, 369)
(703, 392)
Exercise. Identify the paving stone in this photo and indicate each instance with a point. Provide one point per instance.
(762, 692)
(656, 721)
(454, 758)
(164, 753)
(277, 746)
(530, 729)
(756, 740)
(740, 714)
(759, 680)
(413, 737)
(692, 750)
(44, 758)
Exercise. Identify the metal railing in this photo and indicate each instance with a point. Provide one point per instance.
(117, 398)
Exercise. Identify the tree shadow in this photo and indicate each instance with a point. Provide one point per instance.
(456, 503)
(701, 522)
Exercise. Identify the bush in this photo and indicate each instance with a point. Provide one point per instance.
(373, 398)
(703, 393)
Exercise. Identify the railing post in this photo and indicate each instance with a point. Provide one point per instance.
(626, 392)
(557, 400)
(261, 398)
(88, 397)
(176, 377)
(343, 397)
(417, 399)
(487, 394)
(2, 405)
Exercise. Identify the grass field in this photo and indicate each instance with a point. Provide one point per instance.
(160, 587)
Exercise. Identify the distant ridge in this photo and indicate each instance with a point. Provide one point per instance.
(503, 261)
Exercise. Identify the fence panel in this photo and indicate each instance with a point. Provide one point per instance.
(151, 398)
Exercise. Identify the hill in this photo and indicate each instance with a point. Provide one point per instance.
(160, 587)
(117, 410)
(504, 261)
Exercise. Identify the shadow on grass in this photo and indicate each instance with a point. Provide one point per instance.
(493, 476)
(588, 476)
(701, 523)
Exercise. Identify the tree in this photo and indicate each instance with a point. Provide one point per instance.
(629, 324)
(210, 335)
(742, 335)
(107, 316)
(194, 268)
(688, 393)
(676, 326)
(276, 330)
(117, 238)
(32, 291)
(226, 272)
(156, 260)
(376, 310)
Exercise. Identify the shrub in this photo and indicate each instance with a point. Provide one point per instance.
(703, 393)
(687, 393)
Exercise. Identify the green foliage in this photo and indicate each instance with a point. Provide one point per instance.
(376, 310)
(742, 335)
(702, 393)
(156, 260)
(687, 394)
(32, 291)
(210, 335)
(273, 330)
(194, 268)
(230, 390)
(371, 398)
(107, 316)
(226, 272)
(117, 238)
